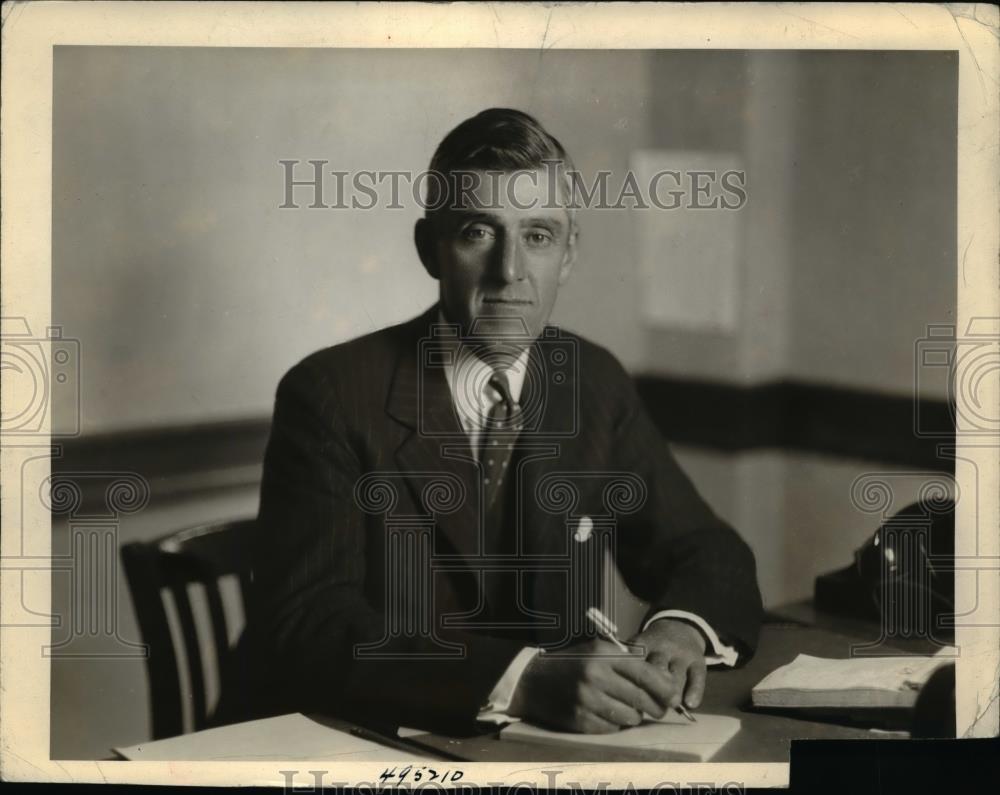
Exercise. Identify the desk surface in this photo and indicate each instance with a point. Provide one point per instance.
(762, 737)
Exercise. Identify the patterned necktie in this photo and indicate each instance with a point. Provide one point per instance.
(496, 448)
(497, 439)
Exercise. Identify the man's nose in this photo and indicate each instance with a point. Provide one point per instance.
(509, 266)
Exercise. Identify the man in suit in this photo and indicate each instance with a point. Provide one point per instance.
(437, 496)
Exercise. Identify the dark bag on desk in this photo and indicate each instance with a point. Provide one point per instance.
(903, 576)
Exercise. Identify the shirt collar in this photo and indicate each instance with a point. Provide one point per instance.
(465, 368)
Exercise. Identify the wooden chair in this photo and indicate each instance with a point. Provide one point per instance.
(190, 591)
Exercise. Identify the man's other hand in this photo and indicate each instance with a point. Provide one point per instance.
(677, 649)
(593, 688)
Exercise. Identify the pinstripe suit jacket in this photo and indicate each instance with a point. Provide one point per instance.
(366, 449)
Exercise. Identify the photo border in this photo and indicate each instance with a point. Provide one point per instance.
(30, 30)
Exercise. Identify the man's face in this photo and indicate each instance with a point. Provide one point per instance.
(501, 256)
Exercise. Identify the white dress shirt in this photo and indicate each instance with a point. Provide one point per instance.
(468, 378)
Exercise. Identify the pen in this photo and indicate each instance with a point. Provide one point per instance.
(683, 711)
(606, 629)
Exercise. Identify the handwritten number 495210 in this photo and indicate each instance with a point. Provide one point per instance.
(419, 774)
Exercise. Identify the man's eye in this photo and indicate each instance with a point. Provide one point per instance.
(477, 232)
(538, 239)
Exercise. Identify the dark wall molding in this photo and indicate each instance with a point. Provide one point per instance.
(808, 418)
(812, 418)
(176, 461)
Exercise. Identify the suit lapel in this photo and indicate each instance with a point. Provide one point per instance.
(421, 400)
(553, 446)
(556, 446)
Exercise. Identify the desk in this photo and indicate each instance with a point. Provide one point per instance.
(762, 737)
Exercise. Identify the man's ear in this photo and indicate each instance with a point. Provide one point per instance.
(425, 238)
(569, 258)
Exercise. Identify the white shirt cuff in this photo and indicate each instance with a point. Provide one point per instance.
(502, 694)
(720, 653)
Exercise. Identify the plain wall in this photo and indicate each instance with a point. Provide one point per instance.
(849, 248)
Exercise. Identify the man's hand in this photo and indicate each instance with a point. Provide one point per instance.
(597, 689)
(677, 649)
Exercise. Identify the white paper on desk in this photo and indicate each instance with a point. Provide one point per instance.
(858, 682)
(673, 734)
(285, 737)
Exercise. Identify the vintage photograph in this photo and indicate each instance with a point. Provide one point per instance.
(421, 407)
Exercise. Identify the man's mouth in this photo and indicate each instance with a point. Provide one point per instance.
(509, 301)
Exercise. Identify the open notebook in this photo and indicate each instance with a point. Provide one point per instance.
(674, 735)
(285, 737)
(857, 683)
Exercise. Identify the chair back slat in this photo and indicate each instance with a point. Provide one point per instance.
(192, 648)
(219, 626)
(245, 583)
(185, 568)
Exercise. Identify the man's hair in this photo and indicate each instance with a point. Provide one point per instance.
(496, 139)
